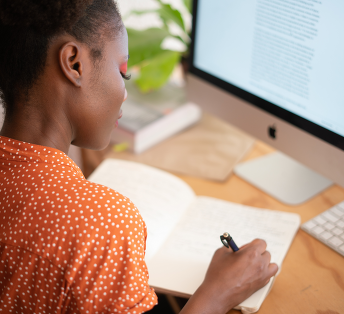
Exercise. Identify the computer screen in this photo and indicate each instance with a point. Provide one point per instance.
(284, 57)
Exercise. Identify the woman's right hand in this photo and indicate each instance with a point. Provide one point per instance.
(231, 278)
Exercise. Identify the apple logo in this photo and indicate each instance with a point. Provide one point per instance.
(272, 131)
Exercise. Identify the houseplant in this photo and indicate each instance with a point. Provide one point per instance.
(152, 63)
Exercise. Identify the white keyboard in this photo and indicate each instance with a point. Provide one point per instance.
(328, 227)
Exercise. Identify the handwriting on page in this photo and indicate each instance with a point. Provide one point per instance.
(197, 234)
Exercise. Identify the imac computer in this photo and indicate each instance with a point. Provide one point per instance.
(275, 69)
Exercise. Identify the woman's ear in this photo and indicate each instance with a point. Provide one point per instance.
(71, 62)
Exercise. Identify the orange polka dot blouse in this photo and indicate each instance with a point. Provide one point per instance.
(67, 245)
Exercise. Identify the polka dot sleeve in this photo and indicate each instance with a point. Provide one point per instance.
(113, 253)
(67, 245)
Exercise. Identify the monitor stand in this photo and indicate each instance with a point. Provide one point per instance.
(283, 178)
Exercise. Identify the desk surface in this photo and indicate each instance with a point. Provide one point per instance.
(312, 275)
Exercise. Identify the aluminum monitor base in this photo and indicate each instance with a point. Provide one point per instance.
(283, 178)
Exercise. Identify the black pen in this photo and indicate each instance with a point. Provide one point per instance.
(228, 242)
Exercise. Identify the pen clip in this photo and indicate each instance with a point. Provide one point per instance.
(224, 241)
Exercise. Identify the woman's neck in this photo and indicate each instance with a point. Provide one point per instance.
(32, 125)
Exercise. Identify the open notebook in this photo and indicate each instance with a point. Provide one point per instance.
(184, 229)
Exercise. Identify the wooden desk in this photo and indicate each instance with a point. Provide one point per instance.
(312, 275)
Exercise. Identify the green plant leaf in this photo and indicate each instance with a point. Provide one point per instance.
(181, 39)
(157, 71)
(145, 44)
(137, 12)
(167, 13)
(188, 4)
(141, 12)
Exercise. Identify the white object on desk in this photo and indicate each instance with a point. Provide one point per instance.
(162, 127)
(328, 227)
(151, 118)
(283, 178)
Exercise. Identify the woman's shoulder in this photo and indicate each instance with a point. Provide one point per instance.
(100, 198)
(88, 201)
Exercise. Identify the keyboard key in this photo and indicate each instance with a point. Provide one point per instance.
(340, 224)
(309, 224)
(329, 226)
(336, 241)
(326, 235)
(318, 230)
(340, 206)
(337, 231)
(319, 220)
(329, 216)
(337, 211)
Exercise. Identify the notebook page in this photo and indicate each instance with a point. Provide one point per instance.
(197, 235)
(160, 197)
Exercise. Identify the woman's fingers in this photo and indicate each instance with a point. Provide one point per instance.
(273, 269)
(260, 245)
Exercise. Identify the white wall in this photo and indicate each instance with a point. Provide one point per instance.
(151, 20)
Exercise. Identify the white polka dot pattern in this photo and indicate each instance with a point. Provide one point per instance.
(66, 245)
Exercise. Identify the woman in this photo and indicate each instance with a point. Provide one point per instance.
(68, 245)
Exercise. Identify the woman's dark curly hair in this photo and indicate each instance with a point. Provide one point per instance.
(27, 27)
